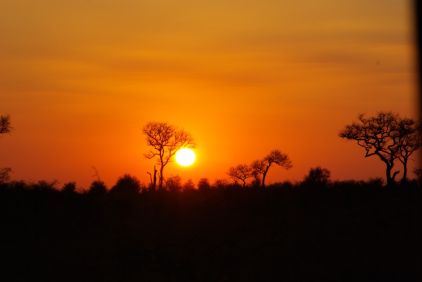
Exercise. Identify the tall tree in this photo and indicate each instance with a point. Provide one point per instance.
(386, 136)
(274, 157)
(165, 140)
(409, 140)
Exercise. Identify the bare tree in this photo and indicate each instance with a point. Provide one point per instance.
(379, 136)
(5, 126)
(409, 140)
(258, 169)
(274, 157)
(240, 172)
(165, 140)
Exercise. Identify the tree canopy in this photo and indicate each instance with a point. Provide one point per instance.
(387, 136)
(165, 140)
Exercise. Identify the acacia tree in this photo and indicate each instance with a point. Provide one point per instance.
(386, 136)
(165, 140)
(274, 157)
(240, 172)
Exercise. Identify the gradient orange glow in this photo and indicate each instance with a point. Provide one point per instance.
(81, 78)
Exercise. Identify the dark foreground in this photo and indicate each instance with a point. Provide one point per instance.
(353, 234)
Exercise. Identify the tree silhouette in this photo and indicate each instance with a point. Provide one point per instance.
(409, 142)
(274, 157)
(240, 172)
(387, 136)
(69, 188)
(5, 125)
(97, 188)
(318, 177)
(258, 169)
(174, 183)
(189, 185)
(126, 185)
(204, 184)
(165, 140)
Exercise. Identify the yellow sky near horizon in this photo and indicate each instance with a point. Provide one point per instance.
(81, 78)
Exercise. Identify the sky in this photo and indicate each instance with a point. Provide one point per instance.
(81, 78)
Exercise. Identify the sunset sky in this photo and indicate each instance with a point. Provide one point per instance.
(81, 78)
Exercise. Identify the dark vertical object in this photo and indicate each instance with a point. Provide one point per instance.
(154, 185)
(417, 5)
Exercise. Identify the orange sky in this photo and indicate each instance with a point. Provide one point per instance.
(81, 78)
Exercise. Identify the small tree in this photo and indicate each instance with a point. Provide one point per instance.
(5, 125)
(241, 172)
(69, 188)
(126, 185)
(204, 184)
(189, 185)
(274, 157)
(174, 183)
(97, 188)
(220, 184)
(317, 177)
(165, 140)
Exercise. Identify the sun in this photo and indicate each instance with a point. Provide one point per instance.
(185, 157)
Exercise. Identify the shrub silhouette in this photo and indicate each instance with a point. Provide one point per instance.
(174, 184)
(97, 188)
(189, 185)
(69, 188)
(204, 184)
(126, 185)
(317, 177)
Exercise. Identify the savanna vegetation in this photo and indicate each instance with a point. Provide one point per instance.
(316, 229)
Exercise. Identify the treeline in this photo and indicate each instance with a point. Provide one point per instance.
(317, 179)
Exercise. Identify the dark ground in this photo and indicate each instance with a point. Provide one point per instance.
(337, 234)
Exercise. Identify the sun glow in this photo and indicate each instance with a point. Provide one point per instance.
(185, 157)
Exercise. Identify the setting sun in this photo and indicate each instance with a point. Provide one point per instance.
(185, 157)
